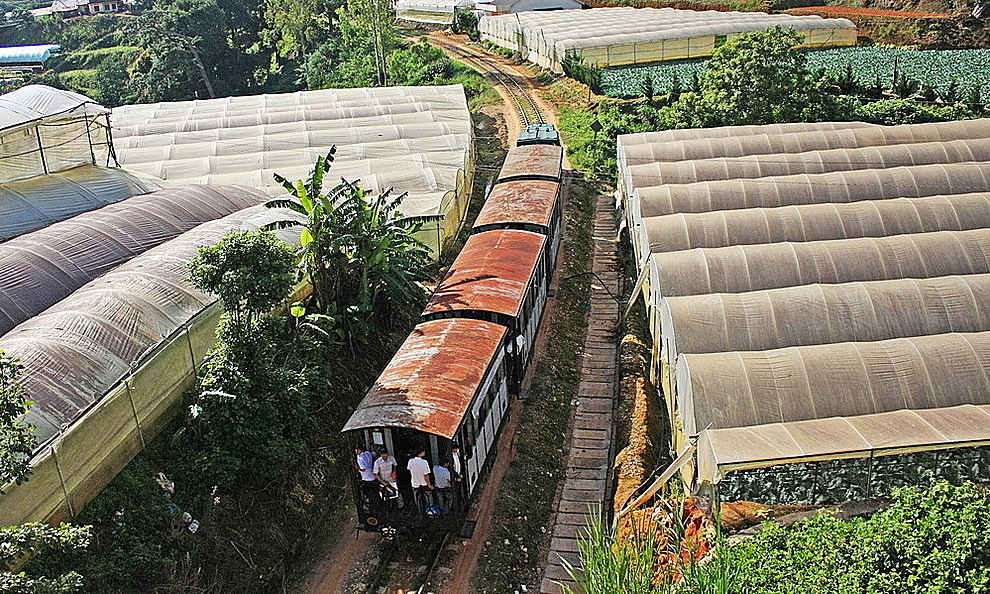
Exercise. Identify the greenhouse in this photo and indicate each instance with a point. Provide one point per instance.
(131, 341)
(44, 130)
(440, 12)
(28, 204)
(416, 140)
(815, 293)
(39, 269)
(774, 144)
(815, 222)
(620, 36)
(822, 314)
(852, 399)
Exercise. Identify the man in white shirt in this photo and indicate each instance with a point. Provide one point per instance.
(385, 473)
(441, 482)
(419, 476)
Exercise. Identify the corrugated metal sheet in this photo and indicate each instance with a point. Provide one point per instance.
(526, 201)
(491, 273)
(432, 379)
(535, 160)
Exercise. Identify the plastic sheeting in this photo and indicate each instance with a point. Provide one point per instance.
(413, 139)
(799, 401)
(623, 35)
(91, 337)
(32, 203)
(27, 54)
(41, 268)
(823, 314)
(45, 130)
(815, 222)
(743, 268)
(785, 252)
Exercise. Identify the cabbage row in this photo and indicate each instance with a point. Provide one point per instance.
(939, 68)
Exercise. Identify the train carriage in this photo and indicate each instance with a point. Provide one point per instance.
(526, 205)
(534, 161)
(500, 276)
(447, 385)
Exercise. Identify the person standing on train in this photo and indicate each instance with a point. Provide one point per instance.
(385, 472)
(419, 473)
(441, 481)
(365, 465)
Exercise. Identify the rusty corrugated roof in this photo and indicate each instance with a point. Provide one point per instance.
(490, 274)
(524, 201)
(535, 160)
(432, 379)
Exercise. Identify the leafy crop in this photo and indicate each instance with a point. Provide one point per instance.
(965, 69)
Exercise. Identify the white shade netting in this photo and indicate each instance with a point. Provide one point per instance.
(815, 222)
(44, 130)
(623, 35)
(823, 314)
(107, 367)
(416, 140)
(743, 268)
(32, 203)
(765, 407)
(40, 268)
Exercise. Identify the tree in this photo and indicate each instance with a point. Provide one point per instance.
(16, 436)
(372, 19)
(359, 251)
(756, 78)
(297, 25)
(252, 411)
(250, 272)
(16, 445)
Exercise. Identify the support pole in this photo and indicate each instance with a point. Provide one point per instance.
(41, 149)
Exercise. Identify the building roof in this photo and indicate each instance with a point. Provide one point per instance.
(528, 202)
(40, 268)
(492, 273)
(27, 54)
(432, 379)
(37, 103)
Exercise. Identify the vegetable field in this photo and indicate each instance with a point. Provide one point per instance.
(939, 68)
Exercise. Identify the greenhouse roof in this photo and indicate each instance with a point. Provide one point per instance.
(79, 348)
(40, 268)
(29, 204)
(34, 103)
(828, 400)
(412, 139)
(27, 54)
(808, 286)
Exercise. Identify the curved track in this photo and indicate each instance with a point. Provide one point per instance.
(528, 109)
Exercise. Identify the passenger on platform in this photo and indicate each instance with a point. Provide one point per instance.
(365, 465)
(385, 472)
(419, 472)
(441, 482)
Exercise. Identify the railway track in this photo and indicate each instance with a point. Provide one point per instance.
(526, 106)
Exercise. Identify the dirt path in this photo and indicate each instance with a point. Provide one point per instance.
(330, 575)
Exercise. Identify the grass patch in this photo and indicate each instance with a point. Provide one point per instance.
(523, 511)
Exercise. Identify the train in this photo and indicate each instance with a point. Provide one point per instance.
(445, 394)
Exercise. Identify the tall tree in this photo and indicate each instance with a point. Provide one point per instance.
(374, 19)
(298, 26)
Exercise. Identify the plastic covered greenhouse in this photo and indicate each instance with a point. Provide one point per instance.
(439, 12)
(415, 140)
(39, 269)
(815, 291)
(44, 130)
(107, 364)
(620, 36)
